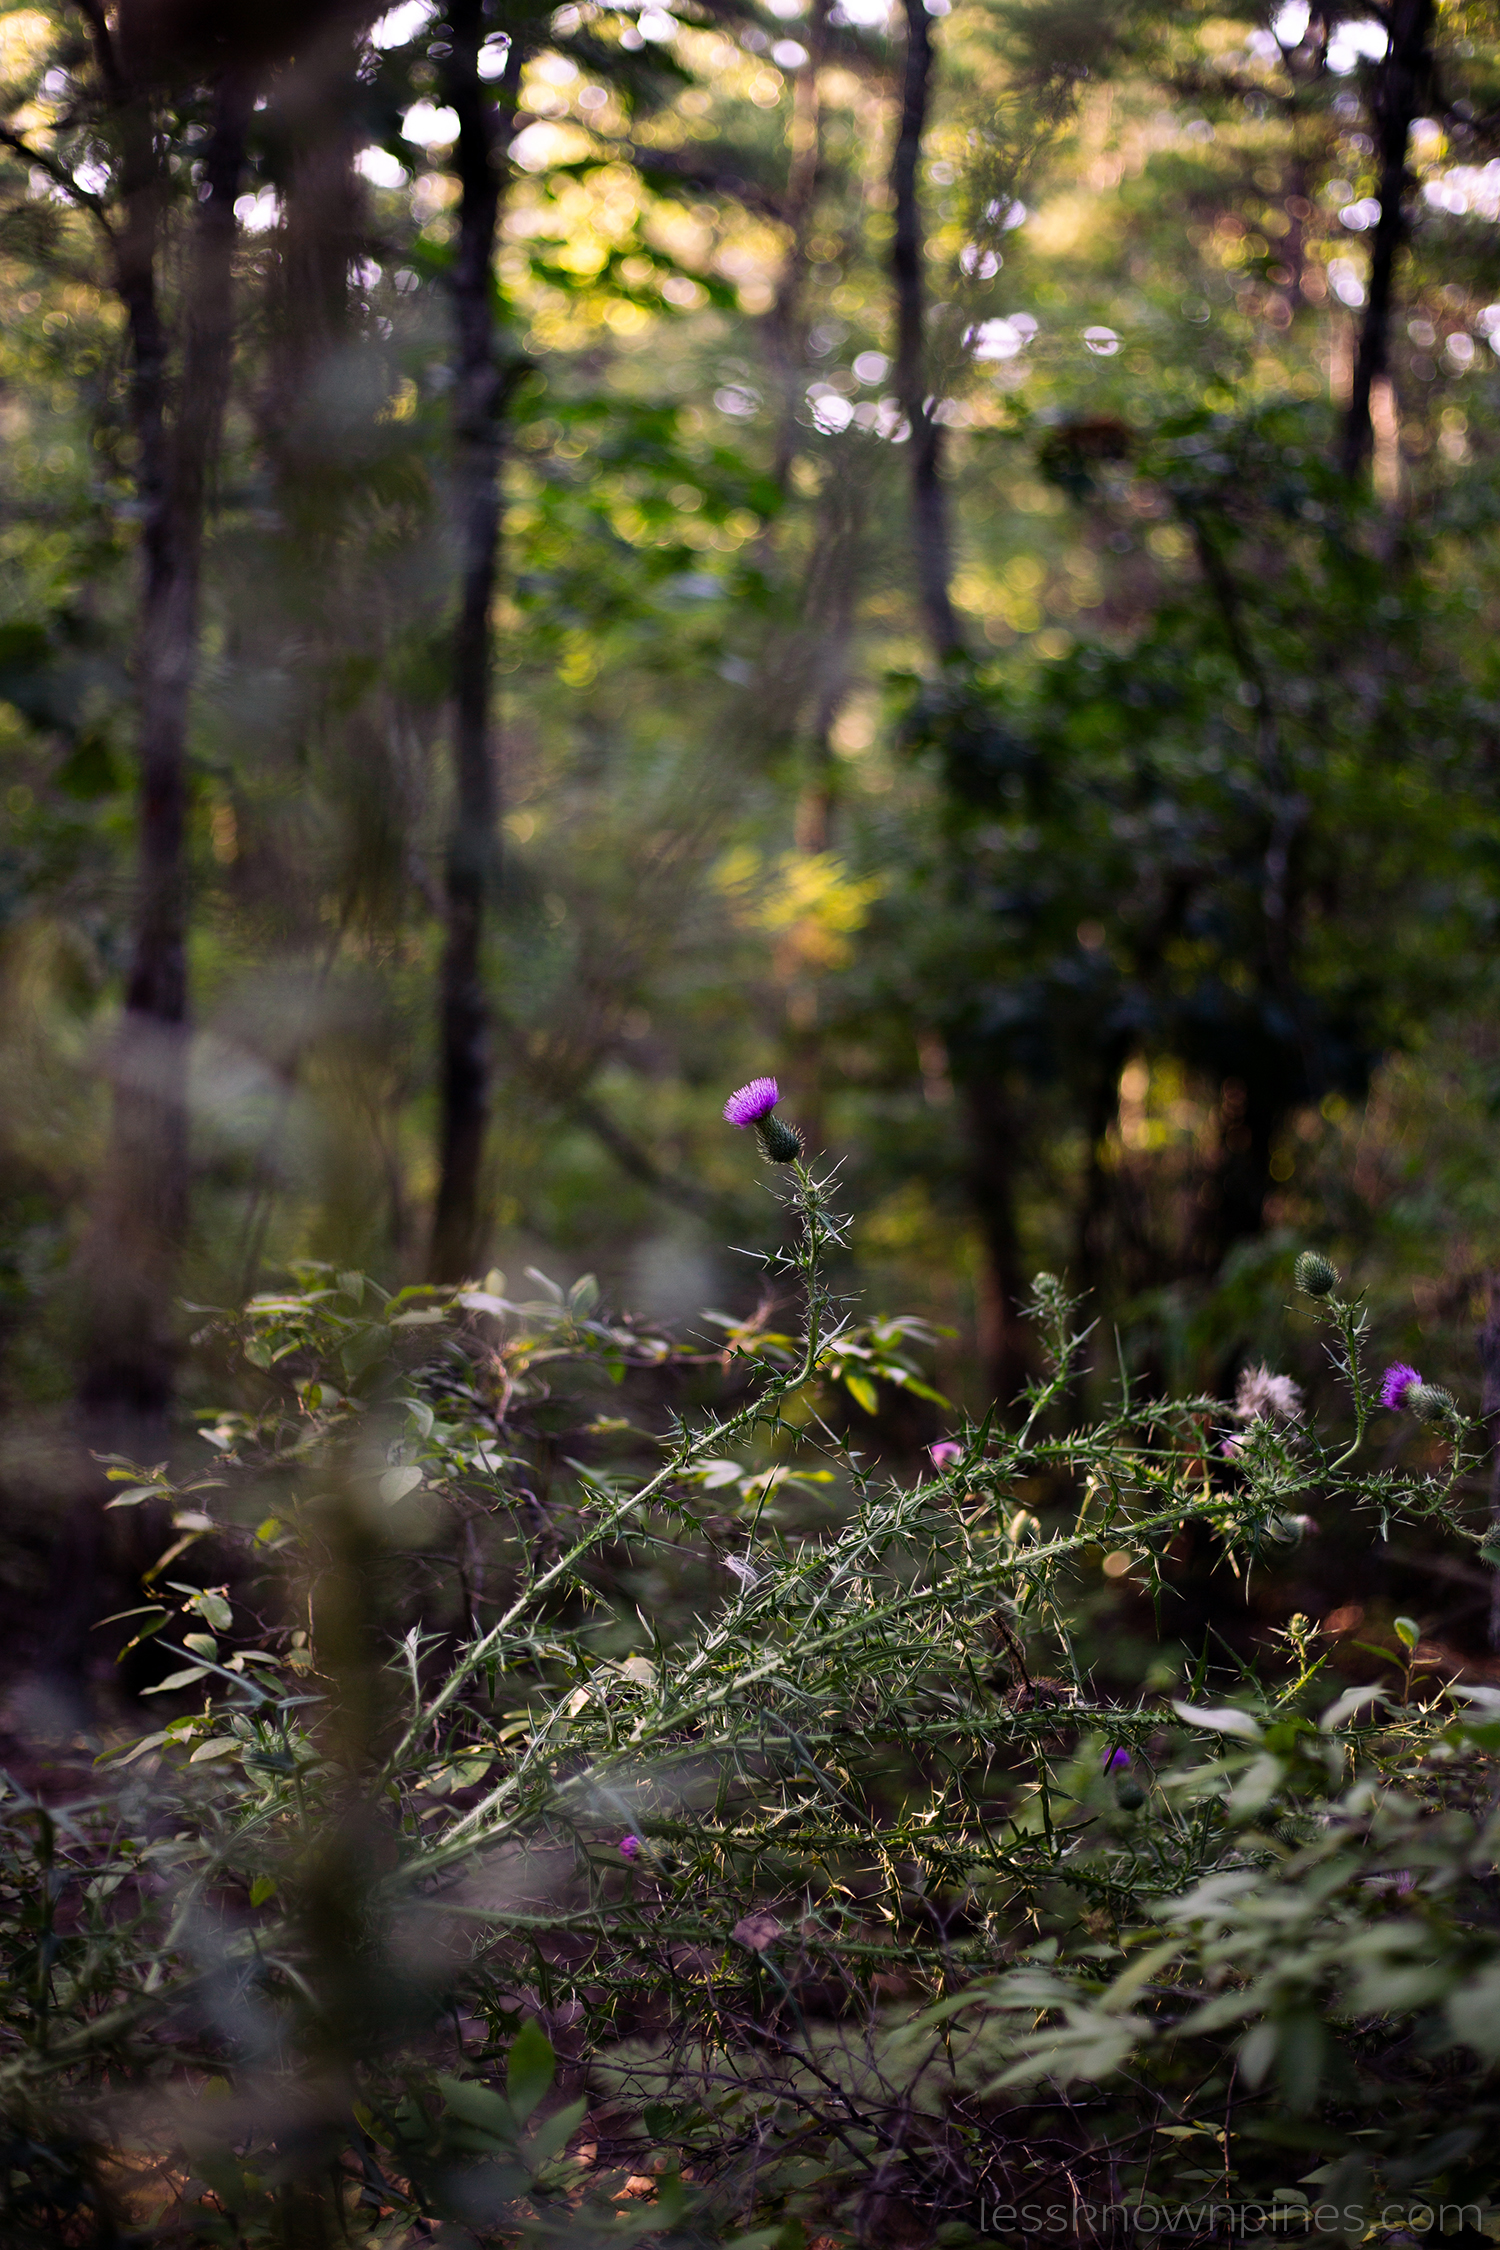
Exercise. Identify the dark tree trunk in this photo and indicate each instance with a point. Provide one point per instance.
(1401, 84)
(1231, 1206)
(136, 1228)
(992, 1190)
(141, 1218)
(930, 531)
(472, 868)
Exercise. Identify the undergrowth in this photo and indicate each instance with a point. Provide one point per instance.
(601, 1807)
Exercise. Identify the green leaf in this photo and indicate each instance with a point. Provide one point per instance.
(397, 1483)
(481, 2107)
(261, 1889)
(177, 1680)
(467, 1771)
(1484, 1734)
(1408, 1632)
(152, 1626)
(552, 2138)
(139, 1749)
(529, 2070)
(134, 1497)
(919, 1390)
(500, 2183)
(1300, 2049)
(863, 1392)
(1223, 1720)
(1474, 2012)
(1352, 1700)
(217, 1746)
(363, 1350)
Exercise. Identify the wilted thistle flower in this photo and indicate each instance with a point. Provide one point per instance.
(1396, 1382)
(630, 1847)
(755, 1104)
(1315, 1275)
(945, 1453)
(1262, 1394)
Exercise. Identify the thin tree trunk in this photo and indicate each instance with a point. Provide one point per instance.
(141, 1219)
(1400, 86)
(930, 530)
(472, 871)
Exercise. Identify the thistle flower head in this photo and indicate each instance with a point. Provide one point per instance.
(782, 1142)
(747, 1105)
(1117, 1761)
(945, 1453)
(1262, 1394)
(1315, 1275)
(755, 1104)
(1430, 1402)
(630, 1847)
(1396, 1382)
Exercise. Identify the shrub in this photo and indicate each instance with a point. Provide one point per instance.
(571, 1832)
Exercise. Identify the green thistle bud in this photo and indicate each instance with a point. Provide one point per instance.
(781, 1142)
(1130, 1796)
(1430, 1402)
(1315, 1275)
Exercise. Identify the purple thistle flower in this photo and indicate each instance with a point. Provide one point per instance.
(1117, 1761)
(945, 1453)
(747, 1105)
(1396, 1382)
(630, 1847)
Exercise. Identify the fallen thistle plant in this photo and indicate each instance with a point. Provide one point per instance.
(479, 1885)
